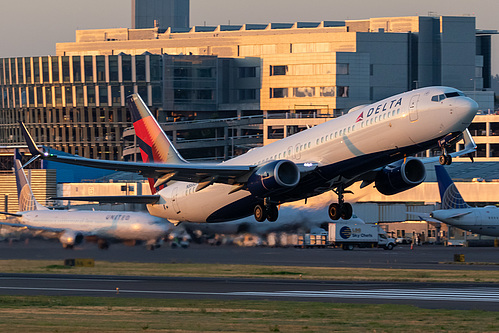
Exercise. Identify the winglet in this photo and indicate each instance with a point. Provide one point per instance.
(449, 194)
(33, 149)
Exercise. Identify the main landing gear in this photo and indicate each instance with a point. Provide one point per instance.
(266, 211)
(341, 209)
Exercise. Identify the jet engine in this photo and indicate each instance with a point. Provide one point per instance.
(273, 178)
(70, 238)
(400, 176)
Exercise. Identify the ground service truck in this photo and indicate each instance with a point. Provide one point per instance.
(349, 235)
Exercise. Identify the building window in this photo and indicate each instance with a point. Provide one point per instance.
(66, 76)
(278, 70)
(20, 70)
(76, 69)
(278, 92)
(342, 69)
(100, 62)
(494, 150)
(103, 96)
(343, 91)
(157, 98)
(116, 95)
(113, 69)
(247, 94)
(69, 96)
(204, 94)
(58, 96)
(45, 69)
(477, 129)
(55, 69)
(494, 129)
(304, 92)
(126, 62)
(89, 71)
(140, 68)
(91, 95)
(204, 72)
(156, 68)
(247, 72)
(327, 91)
(48, 95)
(79, 96)
(36, 69)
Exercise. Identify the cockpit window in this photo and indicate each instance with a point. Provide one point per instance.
(438, 98)
(453, 94)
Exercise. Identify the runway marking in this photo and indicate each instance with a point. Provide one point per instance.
(429, 294)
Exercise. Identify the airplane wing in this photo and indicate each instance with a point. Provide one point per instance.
(145, 199)
(31, 227)
(162, 171)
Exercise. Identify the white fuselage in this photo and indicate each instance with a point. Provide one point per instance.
(479, 220)
(403, 122)
(103, 224)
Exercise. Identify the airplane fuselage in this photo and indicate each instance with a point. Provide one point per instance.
(479, 220)
(342, 148)
(103, 224)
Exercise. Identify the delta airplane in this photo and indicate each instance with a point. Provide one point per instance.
(371, 143)
(72, 227)
(456, 212)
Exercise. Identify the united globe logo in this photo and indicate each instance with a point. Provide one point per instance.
(345, 232)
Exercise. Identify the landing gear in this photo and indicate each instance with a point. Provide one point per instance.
(341, 209)
(266, 211)
(445, 159)
(102, 244)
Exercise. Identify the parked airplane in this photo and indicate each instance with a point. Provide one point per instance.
(71, 227)
(371, 144)
(456, 212)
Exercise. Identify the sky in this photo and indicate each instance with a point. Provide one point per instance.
(33, 27)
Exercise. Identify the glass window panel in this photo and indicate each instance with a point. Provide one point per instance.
(58, 96)
(279, 92)
(76, 69)
(343, 91)
(116, 95)
(156, 95)
(89, 71)
(113, 69)
(20, 70)
(66, 75)
(278, 70)
(304, 92)
(103, 96)
(45, 69)
(156, 68)
(79, 96)
(36, 69)
(142, 91)
(327, 91)
(342, 69)
(69, 96)
(48, 95)
(91, 95)
(55, 69)
(126, 62)
(101, 68)
(140, 68)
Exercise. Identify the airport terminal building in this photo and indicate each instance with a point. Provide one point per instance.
(75, 101)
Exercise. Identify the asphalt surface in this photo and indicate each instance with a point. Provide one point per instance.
(446, 296)
(420, 257)
(426, 295)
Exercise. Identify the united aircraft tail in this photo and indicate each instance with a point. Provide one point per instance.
(449, 194)
(154, 145)
(25, 196)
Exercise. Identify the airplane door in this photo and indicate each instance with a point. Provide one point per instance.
(175, 200)
(413, 108)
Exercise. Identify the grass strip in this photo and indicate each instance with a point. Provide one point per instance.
(115, 314)
(250, 271)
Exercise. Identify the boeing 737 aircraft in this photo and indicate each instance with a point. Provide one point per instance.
(71, 227)
(372, 144)
(456, 212)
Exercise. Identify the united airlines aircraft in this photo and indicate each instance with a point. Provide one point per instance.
(456, 212)
(72, 227)
(371, 143)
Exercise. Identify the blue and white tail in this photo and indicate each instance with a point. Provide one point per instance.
(449, 194)
(27, 201)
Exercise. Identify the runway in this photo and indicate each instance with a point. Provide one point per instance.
(448, 296)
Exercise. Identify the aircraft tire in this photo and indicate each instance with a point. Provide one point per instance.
(346, 211)
(334, 211)
(272, 213)
(442, 159)
(260, 213)
(448, 160)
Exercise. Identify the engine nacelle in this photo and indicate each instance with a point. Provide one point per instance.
(273, 178)
(400, 176)
(70, 238)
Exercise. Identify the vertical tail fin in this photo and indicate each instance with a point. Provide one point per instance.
(25, 196)
(154, 145)
(449, 194)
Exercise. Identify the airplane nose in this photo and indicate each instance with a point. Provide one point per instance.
(466, 108)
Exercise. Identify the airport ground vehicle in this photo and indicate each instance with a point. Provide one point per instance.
(349, 235)
(404, 240)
